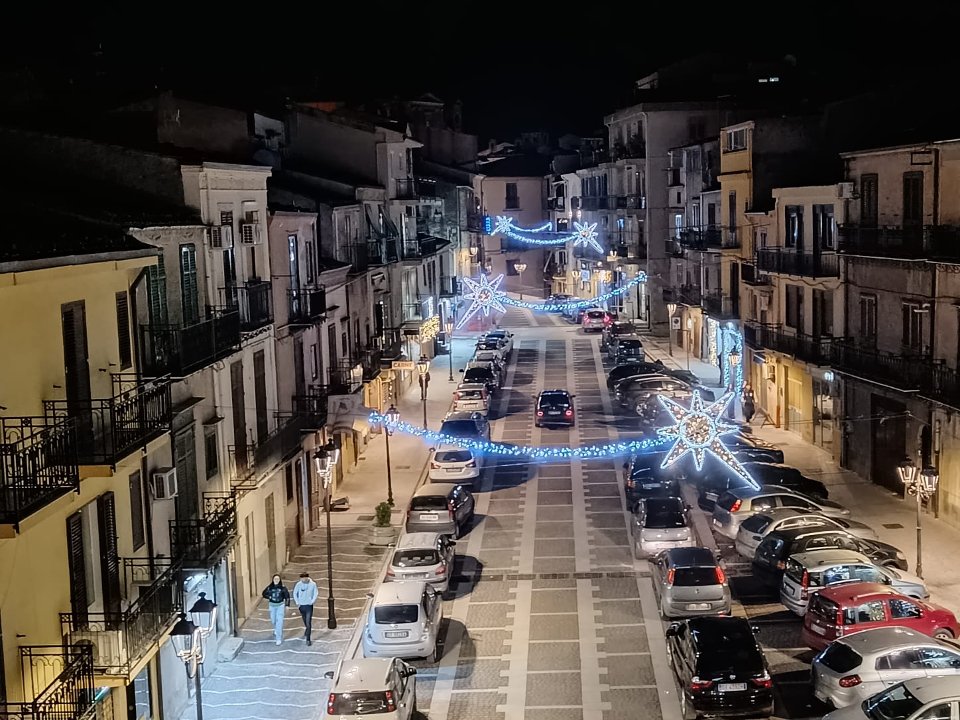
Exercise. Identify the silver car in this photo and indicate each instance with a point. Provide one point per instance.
(422, 556)
(404, 622)
(854, 667)
(688, 582)
(661, 523)
(385, 688)
(443, 508)
(926, 698)
(807, 572)
(737, 504)
(756, 527)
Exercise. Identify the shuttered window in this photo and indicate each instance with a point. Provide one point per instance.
(137, 528)
(260, 394)
(157, 292)
(189, 295)
(123, 331)
(77, 568)
(109, 555)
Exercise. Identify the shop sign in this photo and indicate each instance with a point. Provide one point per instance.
(403, 365)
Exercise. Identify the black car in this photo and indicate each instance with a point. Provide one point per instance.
(644, 478)
(481, 375)
(750, 449)
(713, 481)
(788, 477)
(554, 407)
(720, 668)
(773, 551)
(631, 369)
(617, 329)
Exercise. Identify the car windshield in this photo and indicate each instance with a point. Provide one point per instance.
(893, 704)
(395, 614)
(453, 456)
(695, 576)
(756, 524)
(359, 703)
(628, 344)
(429, 503)
(554, 400)
(459, 428)
(415, 558)
(840, 657)
(663, 514)
(477, 374)
(469, 395)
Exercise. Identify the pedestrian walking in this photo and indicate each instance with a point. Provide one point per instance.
(749, 403)
(278, 598)
(305, 595)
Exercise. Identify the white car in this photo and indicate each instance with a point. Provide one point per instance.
(382, 687)
(737, 504)
(756, 527)
(422, 556)
(471, 398)
(452, 463)
(506, 336)
(661, 523)
(404, 621)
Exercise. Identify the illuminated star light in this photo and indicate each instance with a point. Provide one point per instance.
(589, 302)
(697, 431)
(485, 295)
(505, 223)
(587, 235)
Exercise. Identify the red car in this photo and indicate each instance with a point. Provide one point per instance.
(851, 607)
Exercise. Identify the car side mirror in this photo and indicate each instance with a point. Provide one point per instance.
(328, 674)
(673, 630)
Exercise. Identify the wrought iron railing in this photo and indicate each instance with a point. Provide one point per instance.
(179, 351)
(254, 301)
(556, 203)
(406, 189)
(790, 262)
(344, 378)
(809, 348)
(943, 385)
(427, 188)
(306, 306)
(635, 202)
(371, 360)
(120, 640)
(473, 222)
(411, 311)
(38, 464)
(201, 541)
(109, 429)
(906, 372)
(449, 286)
(894, 241)
(252, 460)
(58, 684)
(718, 305)
(701, 238)
(312, 406)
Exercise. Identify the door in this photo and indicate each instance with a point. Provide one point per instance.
(913, 201)
(734, 289)
(78, 569)
(76, 370)
(109, 556)
(897, 666)
(888, 438)
(189, 291)
(268, 508)
(299, 380)
(868, 201)
(293, 256)
(185, 459)
(260, 394)
(332, 351)
(239, 416)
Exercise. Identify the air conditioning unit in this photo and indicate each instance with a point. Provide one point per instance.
(846, 191)
(221, 236)
(163, 483)
(250, 233)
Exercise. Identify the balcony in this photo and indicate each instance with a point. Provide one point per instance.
(411, 312)
(473, 222)
(674, 177)
(556, 203)
(673, 248)
(719, 305)
(180, 350)
(253, 300)
(789, 262)
(252, 460)
(346, 377)
(750, 275)
(406, 189)
(122, 640)
(422, 247)
(906, 372)
(942, 384)
(635, 202)
(428, 188)
(701, 238)
(109, 429)
(59, 680)
(731, 237)
(311, 407)
(200, 543)
(892, 241)
(371, 360)
(306, 306)
(814, 350)
(38, 464)
(449, 286)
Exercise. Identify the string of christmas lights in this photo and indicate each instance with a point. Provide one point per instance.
(584, 234)
(560, 306)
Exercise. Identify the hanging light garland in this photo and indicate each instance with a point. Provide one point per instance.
(584, 234)
(590, 302)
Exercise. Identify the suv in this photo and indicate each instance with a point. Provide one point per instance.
(486, 375)
(504, 337)
(422, 556)
(737, 504)
(626, 350)
(621, 372)
(788, 477)
(443, 508)
(595, 319)
(470, 425)
(554, 407)
(690, 582)
(806, 573)
(404, 621)
(771, 558)
(720, 667)
(847, 608)
(385, 687)
(618, 328)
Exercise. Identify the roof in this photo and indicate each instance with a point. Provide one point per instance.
(886, 639)
(828, 556)
(364, 674)
(417, 540)
(394, 593)
(691, 557)
(852, 591)
(432, 488)
(517, 166)
(721, 629)
(934, 688)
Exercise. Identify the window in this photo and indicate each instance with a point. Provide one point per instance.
(912, 199)
(900, 608)
(912, 318)
(289, 483)
(868, 200)
(677, 225)
(310, 252)
(512, 199)
(123, 331)
(900, 660)
(226, 217)
(937, 712)
(137, 529)
(736, 140)
(314, 361)
(793, 227)
(794, 307)
(157, 292)
(824, 227)
(938, 658)
(870, 612)
(211, 453)
(868, 319)
(260, 394)
(189, 294)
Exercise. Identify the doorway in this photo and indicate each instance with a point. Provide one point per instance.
(268, 508)
(76, 371)
(889, 443)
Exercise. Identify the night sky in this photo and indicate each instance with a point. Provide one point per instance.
(560, 68)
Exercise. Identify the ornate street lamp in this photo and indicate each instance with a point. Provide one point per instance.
(921, 485)
(449, 328)
(671, 309)
(188, 644)
(423, 367)
(325, 460)
(393, 417)
(520, 267)
(203, 613)
(474, 250)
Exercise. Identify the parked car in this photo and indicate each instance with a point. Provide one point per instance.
(848, 608)
(471, 398)
(554, 407)
(626, 370)
(770, 560)
(444, 508)
(494, 366)
(618, 328)
(737, 504)
(788, 477)
(452, 463)
(720, 668)
(492, 356)
(627, 350)
(470, 425)
(750, 449)
(713, 481)
(643, 477)
(809, 572)
(758, 526)
(385, 687)
(641, 395)
(426, 556)
(661, 523)
(404, 622)
(488, 377)
(689, 582)
(928, 698)
(498, 345)
(595, 320)
(505, 337)
(558, 298)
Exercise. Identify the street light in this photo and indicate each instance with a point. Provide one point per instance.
(325, 459)
(520, 267)
(922, 485)
(188, 644)
(474, 250)
(423, 367)
(393, 417)
(688, 340)
(203, 613)
(734, 357)
(449, 329)
(671, 309)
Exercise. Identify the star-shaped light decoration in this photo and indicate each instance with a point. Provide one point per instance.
(485, 295)
(697, 431)
(504, 224)
(586, 235)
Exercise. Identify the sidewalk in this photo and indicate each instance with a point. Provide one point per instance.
(269, 682)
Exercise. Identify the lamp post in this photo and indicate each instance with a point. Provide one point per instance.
(734, 357)
(393, 417)
(423, 367)
(449, 329)
(671, 309)
(688, 339)
(188, 644)
(520, 267)
(922, 485)
(325, 460)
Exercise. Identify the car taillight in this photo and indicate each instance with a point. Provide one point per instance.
(721, 576)
(850, 681)
(804, 585)
(763, 681)
(388, 696)
(736, 505)
(671, 573)
(390, 572)
(539, 413)
(456, 396)
(331, 701)
(568, 413)
(607, 319)
(441, 569)
(472, 463)
(781, 565)
(696, 684)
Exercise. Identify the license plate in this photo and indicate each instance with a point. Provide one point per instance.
(430, 516)
(717, 523)
(698, 606)
(819, 630)
(453, 469)
(396, 633)
(553, 412)
(790, 591)
(732, 687)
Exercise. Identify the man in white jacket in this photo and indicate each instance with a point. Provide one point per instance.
(305, 595)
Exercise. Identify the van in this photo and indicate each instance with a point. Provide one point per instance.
(404, 622)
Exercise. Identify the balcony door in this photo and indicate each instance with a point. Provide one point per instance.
(868, 201)
(293, 255)
(239, 416)
(185, 459)
(76, 371)
(109, 554)
(912, 201)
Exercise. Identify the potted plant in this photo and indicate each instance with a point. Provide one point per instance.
(383, 532)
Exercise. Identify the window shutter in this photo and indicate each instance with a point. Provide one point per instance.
(78, 574)
(189, 295)
(109, 557)
(123, 331)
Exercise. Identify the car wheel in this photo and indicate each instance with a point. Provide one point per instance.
(943, 634)
(639, 409)
(536, 424)
(437, 651)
